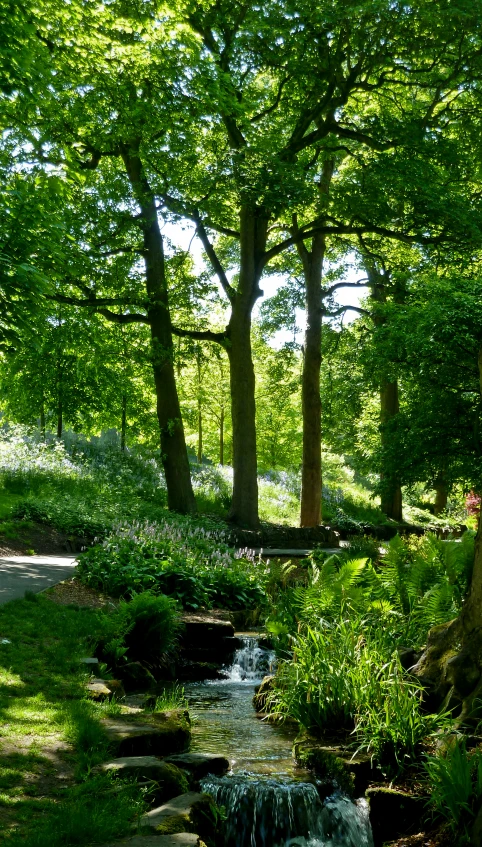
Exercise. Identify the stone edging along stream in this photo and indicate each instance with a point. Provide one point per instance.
(152, 748)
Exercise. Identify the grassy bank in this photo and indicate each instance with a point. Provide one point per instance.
(51, 737)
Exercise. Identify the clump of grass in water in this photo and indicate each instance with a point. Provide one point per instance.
(172, 697)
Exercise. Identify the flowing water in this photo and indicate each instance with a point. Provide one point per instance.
(269, 802)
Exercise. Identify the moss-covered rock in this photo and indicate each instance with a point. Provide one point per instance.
(199, 765)
(335, 764)
(158, 734)
(394, 813)
(183, 839)
(166, 780)
(190, 812)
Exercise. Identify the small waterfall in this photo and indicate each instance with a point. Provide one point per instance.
(251, 662)
(270, 813)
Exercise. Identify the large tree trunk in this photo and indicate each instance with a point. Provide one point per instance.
(391, 497)
(391, 491)
(311, 472)
(312, 261)
(451, 666)
(441, 495)
(180, 496)
(244, 507)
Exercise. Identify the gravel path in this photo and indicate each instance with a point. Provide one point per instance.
(19, 574)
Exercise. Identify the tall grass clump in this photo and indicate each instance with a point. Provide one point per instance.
(455, 783)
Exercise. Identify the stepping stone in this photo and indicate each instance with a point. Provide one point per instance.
(170, 780)
(100, 689)
(178, 839)
(90, 664)
(200, 764)
(185, 813)
(159, 734)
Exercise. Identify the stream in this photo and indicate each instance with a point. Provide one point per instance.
(268, 801)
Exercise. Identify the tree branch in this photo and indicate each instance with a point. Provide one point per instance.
(201, 334)
(331, 290)
(343, 309)
(98, 306)
(213, 258)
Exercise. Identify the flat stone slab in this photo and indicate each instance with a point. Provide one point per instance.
(159, 734)
(19, 574)
(178, 807)
(148, 766)
(200, 764)
(178, 839)
(201, 631)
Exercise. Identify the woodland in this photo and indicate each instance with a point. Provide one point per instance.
(241, 288)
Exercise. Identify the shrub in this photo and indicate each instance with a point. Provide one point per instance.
(182, 558)
(151, 625)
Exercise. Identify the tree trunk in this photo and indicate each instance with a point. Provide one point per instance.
(312, 261)
(244, 507)
(180, 496)
(42, 419)
(124, 423)
(391, 491)
(391, 497)
(199, 432)
(59, 399)
(221, 438)
(311, 478)
(441, 495)
(199, 411)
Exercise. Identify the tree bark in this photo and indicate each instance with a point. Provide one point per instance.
(312, 261)
(59, 401)
(441, 495)
(124, 423)
(391, 497)
(391, 490)
(244, 507)
(180, 496)
(221, 438)
(199, 411)
(311, 472)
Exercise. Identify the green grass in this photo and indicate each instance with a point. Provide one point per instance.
(47, 727)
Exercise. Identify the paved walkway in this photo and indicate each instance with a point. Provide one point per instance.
(19, 574)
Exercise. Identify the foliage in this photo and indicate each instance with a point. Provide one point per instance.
(185, 559)
(151, 626)
(345, 625)
(342, 677)
(172, 697)
(419, 582)
(455, 782)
